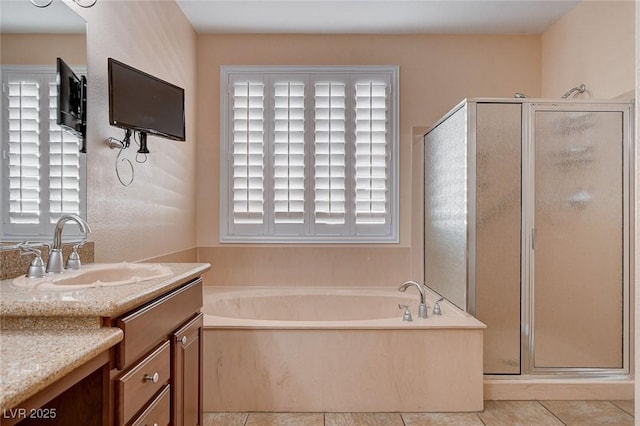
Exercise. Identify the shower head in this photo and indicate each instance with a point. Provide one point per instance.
(571, 92)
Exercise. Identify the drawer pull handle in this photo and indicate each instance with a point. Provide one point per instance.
(154, 378)
(183, 340)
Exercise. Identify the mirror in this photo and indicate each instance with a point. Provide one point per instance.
(32, 39)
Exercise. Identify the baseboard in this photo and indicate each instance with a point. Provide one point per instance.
(558, 389)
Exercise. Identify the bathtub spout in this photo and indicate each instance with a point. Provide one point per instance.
(410, 283)
(422, 308)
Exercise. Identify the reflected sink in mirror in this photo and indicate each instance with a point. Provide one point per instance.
(97, 275)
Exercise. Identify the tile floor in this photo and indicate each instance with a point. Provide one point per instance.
(498, 413)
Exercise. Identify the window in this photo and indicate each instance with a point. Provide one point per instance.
(309, 154)
(42, 169)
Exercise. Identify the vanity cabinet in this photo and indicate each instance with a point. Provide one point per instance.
(157, 373)
(125, 355)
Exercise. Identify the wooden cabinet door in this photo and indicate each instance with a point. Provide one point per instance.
(186, 407)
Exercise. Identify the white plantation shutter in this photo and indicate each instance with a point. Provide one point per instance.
(330, 152)
(23, 142)
(248, 152)
(64, 165)
(371, 151)
(288, 151)
(308, 154)
(42, 168)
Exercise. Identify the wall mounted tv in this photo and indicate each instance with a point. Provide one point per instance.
(72, 101)
(141, 102)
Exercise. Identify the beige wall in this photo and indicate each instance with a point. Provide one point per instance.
(43, 49)
(436, 72)
(155, 215)
(593, 44)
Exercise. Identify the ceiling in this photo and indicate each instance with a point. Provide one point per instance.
(20, 16)
(323, 16)
(374, 16)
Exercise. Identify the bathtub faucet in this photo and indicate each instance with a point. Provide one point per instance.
(422, 308)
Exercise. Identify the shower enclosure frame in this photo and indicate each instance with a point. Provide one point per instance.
(529, 107)
(528, 233)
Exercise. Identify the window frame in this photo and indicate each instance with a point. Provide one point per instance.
(311, 232)
(43, 230)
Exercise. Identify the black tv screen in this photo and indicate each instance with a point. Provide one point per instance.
(142, 102)
(71, 99)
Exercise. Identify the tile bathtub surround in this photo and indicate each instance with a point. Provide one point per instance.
(307, 266)
(15, 265)
(496, 413)
(323, 369)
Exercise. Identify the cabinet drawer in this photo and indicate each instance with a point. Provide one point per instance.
(147, 326)
(138, 385)
(158, 411)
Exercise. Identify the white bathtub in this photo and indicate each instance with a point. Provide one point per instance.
(337, 349)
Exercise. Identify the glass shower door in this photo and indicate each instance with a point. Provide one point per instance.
(498, 213)
(445, 208)
(578, 241)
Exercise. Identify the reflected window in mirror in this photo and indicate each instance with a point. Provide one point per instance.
(32, 39)
(42, 168)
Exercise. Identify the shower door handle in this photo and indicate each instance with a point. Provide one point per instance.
(533, 238)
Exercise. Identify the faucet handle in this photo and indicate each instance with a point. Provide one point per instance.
(30, 247)
(78, 244)
(406, 316)
(27, 247)
(73, 261)
(36, 267)
(436, 307)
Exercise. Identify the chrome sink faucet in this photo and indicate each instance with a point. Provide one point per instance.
(422, 308)
(55, 262)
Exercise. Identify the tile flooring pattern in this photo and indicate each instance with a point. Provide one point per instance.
(495, 413)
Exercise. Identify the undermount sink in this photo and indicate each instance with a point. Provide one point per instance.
(97, 275)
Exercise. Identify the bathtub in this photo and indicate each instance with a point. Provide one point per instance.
(337, 349)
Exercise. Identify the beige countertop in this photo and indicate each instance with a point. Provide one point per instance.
(102, 302)
(46, 334)
(31, 360)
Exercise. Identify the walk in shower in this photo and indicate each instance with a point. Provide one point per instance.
(527, 227)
